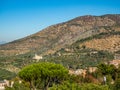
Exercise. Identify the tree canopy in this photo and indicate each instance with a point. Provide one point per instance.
(106, 69)
(47, 73)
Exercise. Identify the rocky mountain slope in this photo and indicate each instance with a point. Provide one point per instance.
(110, 43)
(64, 34)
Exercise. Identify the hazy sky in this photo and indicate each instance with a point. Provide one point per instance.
(19, 18)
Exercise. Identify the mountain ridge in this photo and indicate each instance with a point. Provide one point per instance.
(2, 42)
(57, 36)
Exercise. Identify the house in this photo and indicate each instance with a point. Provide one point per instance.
(3, 84)
(78, 72)
(37, 57)
(7, 83)
(116, 63)
(92, 69)
(117, 57)
(71, 72)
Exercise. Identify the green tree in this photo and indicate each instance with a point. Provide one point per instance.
(75, 86)
(117, 79)
(117, 84)
(5, 74)
(46, 73)
(107, 70)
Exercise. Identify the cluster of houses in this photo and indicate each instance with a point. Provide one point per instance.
(83, 72)
(115, 62)
(5, 83)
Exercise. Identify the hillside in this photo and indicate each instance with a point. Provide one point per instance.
(2, 42)
(61, 35)
(110, 43)
(79, 43)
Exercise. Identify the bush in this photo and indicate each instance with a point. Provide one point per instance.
(75, 86)
(5, 74)
(117, 84)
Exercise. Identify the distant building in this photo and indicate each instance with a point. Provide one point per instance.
(116, 63)
(92, 69)
(3, 84)
(117, 57)
(78, 72)
(37, 57)
(7, 83)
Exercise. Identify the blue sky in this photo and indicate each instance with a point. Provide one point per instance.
(19, 18)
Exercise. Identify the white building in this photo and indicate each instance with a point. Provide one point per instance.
(37, 57)
(3, 84)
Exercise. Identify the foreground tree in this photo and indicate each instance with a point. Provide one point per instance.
(107, 70)
(117, 81)
(47, 73)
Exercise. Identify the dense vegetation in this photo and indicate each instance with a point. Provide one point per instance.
(36, 76)
(43, 74)
(79, 57)
(75, 57)
(4, 74)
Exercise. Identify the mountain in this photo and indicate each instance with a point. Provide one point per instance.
(82, 42)
(2, 42)
(58, 36)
